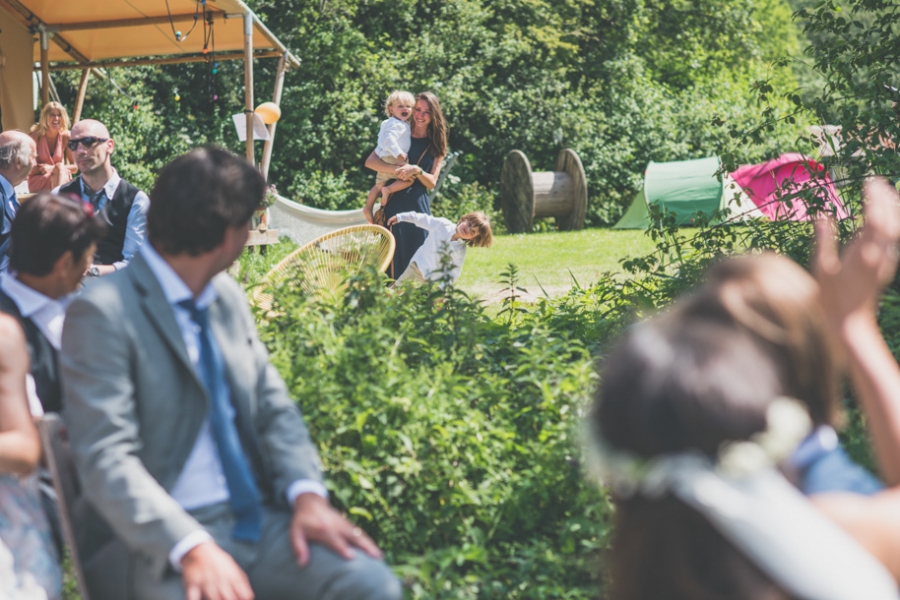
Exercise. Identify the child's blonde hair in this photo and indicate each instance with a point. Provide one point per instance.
(481, 225)
(396, 97)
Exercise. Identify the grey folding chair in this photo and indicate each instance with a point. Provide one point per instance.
(445, 170)
(55, 443)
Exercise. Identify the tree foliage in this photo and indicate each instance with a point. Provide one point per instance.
(620, 81)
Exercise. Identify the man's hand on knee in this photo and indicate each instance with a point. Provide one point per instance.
(209, 573)
(315, 520)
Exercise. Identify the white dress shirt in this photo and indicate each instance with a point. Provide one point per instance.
(394, 138)
(135, 224)
(428, 256)
(202, 479)
(47, 315)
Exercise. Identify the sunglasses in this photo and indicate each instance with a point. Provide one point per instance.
(87, 142)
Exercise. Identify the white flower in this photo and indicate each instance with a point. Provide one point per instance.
(740, 459)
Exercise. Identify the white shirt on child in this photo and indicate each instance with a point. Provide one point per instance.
(394, 138)
(428, 256)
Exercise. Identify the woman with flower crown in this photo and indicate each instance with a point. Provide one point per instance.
(692, 421)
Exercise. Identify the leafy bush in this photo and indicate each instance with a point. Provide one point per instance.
(449, 436)
(326, 191)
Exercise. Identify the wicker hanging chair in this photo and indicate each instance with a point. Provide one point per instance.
(322, 266)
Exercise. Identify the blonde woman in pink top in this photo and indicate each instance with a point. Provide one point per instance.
(55, 164)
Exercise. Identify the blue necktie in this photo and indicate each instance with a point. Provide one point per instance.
(244, 497)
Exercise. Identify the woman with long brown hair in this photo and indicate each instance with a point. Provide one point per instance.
(426, 155)
(690, 430)
(55, 164)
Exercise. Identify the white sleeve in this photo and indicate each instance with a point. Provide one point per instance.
(390, 138)
(422, 220)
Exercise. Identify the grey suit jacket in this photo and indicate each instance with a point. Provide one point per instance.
(134, 406)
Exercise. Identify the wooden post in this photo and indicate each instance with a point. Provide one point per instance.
(276, 98)
(45, 68)
(248, 81)
(82, 90)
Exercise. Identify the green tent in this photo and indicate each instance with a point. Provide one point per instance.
(683, 187)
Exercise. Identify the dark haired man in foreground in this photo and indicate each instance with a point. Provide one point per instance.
(52, 243)
(199, 471)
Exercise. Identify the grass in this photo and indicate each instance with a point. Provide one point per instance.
(550, 260)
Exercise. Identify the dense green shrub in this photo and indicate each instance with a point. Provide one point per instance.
(324, 190)
(449, 436)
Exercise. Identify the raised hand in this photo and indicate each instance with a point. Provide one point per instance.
(851, 283)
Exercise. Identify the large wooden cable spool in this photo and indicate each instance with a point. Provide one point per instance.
(561, 193)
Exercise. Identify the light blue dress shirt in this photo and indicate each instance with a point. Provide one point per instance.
(202, 480)
(136, 224)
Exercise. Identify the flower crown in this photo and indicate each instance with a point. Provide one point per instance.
(787, 424)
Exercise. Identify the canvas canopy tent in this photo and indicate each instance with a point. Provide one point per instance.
(685, 188)
(87, 34)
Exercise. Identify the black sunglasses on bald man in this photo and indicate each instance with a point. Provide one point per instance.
(87, 142)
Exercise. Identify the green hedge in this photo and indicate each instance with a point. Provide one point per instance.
(451, 437)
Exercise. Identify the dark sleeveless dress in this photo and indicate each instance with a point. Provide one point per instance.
(412, 199)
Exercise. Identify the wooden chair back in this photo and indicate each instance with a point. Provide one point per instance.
(55, 444)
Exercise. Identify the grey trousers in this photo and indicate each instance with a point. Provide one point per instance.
(272, 568)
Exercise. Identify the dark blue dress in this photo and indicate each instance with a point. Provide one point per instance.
(412, 199)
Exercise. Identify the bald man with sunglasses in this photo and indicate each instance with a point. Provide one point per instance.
(121, 205)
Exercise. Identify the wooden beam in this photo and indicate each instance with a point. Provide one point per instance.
(161, 61)
(139, 22)
(45, 68)
(82, 90)
(276, 98)
(248, 82)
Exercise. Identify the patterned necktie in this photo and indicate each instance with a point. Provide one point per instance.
(244, 497)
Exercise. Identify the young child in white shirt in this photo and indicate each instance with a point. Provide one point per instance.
(394, 139)
(444, 237)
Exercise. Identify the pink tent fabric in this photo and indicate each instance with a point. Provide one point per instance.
(771, 185)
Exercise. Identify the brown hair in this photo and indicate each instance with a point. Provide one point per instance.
(675, 384)
(43, 125)
(479, 223)
(775, 301)
(48, 226)
(438, 129)
(198, 196)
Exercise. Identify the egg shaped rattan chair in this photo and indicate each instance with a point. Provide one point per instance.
(322, 266)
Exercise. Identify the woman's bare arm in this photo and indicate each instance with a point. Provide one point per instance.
(20, 447)
(376, 164)
(850, 286)
(873, 521)
(429, 180)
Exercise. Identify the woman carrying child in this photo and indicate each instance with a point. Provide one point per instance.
(426, 154)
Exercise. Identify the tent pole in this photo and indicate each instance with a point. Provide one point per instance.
(276, 98)
(45, 68)
(82, 90)
(248, 81)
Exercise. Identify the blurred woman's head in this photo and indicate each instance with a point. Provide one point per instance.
(776, 302)
(53, 118)
(675, 385)
(427, 112)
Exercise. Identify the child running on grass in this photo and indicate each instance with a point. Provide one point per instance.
(473, 229)
(394, 139)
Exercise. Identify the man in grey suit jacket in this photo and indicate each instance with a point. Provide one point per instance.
(191, 455)
(18, 155)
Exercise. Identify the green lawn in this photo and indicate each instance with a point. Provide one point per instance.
(547, 258)
(541, 257)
